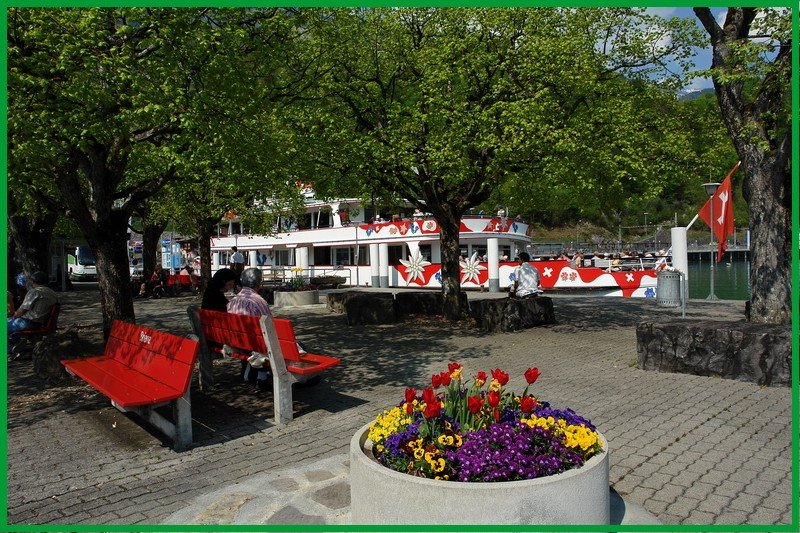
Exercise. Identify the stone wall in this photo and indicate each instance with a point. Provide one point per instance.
(758, 353)
(512, 314)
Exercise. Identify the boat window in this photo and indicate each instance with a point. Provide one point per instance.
(396, 253)
(425, 251)
(343, 256)
(282, 257)
(322, 255)
(363, 255)
(324, 221)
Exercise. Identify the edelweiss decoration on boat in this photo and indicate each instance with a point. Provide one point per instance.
(415, 267)
(471, 269)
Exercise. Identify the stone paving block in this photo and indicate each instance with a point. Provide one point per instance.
(699, 490)
(672, 468)
(335, 496)
(683, 508)
(701, 517)
(686, 478)
(746, 502)
(714, 503)
(763, 515)
(669, 493)
(731, 488)
(656, 506)
(656, 481)
(732, 517)
(628, 483)
(292, 515)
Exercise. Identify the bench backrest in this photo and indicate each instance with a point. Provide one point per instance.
(247, 333)
(241, 332)
(286, 338)
(164, 357)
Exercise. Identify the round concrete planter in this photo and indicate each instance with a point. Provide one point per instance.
(380, 495)
(286, 299)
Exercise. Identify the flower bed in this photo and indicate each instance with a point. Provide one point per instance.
(475, 440)
(471, 434)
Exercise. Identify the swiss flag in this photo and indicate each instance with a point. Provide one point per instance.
(723, 212)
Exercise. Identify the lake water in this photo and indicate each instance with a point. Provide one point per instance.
(731, 280)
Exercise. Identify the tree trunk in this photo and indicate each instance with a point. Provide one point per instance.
(205, 230)
(151, 240)
(769, 198)
(32, 238)
(449, 225)
(109, 245)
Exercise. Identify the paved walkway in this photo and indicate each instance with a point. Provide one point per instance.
(687, 449)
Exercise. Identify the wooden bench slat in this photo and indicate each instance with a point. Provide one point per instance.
(126, 387)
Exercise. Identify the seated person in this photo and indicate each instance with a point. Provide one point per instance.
(158, 279)
(526, 278)
(214, 296)
(248, 302)
(34, 309)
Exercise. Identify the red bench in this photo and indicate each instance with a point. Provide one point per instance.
(242, 336)
(142, 369)
(178, 282)
(29, 337)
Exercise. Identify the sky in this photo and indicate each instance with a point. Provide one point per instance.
(702, 58)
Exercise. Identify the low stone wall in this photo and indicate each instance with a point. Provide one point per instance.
(757, 353)
(336, 300)
(512, 314)
(377, 308)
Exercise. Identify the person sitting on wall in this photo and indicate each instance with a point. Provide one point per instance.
(34, 309)
(526, 278)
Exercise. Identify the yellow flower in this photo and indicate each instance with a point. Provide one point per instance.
(456, 374)
(445, 440)
(438, 465)
(459, 441)
(494, 385)
(418, 453)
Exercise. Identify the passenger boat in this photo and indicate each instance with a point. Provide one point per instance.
(353, 243)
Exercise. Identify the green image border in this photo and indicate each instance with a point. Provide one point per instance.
(795, 455)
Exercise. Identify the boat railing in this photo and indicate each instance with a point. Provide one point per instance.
(278, 275)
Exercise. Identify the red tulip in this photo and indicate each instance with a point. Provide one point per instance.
(531, 375)
(527, 404)
(428, 396)
(436, 381)
(480, 377)
(411, 395)
(474, 404)
(432, 409)
(445, 377)
(494, 398)
(500, 376)
(452, 367)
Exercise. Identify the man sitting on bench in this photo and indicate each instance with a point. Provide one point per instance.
(526, 279)
(248, 302)
(34, 309)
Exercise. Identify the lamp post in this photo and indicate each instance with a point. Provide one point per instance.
(711, 188)
(645, 224)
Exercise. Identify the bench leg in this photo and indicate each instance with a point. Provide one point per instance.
(182, 413)
(282, 398)
(180, 431)
(206, 375)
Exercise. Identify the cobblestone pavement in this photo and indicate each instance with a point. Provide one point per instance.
(688, 449)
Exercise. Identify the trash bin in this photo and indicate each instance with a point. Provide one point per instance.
(668, 289)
